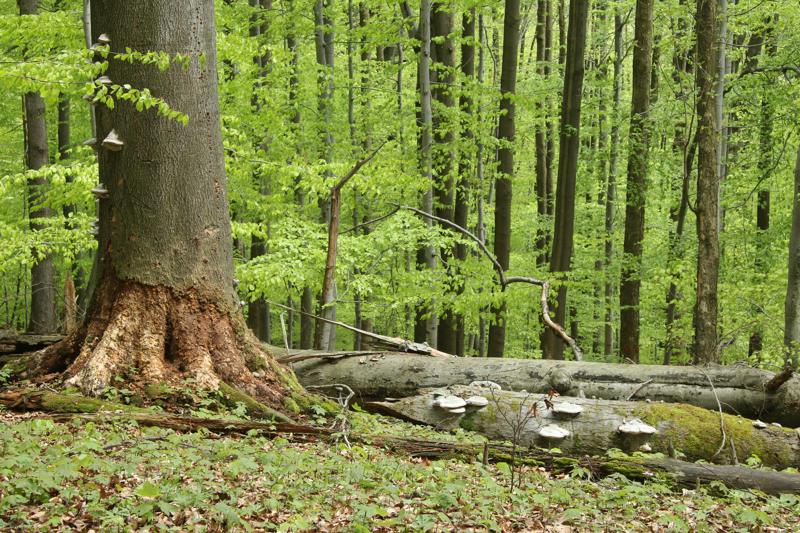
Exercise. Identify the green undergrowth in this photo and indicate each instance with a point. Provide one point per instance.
(122, 477)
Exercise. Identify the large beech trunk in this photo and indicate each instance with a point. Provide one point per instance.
(164, 308)
(740, 390)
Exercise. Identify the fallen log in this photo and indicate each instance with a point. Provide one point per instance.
(590, 426)
(635, 468)
(12, 342)
(750, 392)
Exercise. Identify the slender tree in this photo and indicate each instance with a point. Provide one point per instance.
(569, 147)
(635, 197)
(43, 317)
(705, 319)
(506, 133)
(791, 336)
(443, 53)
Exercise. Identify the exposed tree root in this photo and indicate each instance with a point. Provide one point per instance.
(141, 335)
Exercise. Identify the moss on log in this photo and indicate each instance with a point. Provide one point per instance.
(693, 431)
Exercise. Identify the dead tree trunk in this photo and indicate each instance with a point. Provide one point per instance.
(521, 417)
(747, 391)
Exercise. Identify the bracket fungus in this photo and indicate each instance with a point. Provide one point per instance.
(635, 433)
(100, 191)
(477, 402)
(758, 424)
(553, 432)
(103, 80)
(567, 409)
(104, 39)
(113, 142)
(450, 403)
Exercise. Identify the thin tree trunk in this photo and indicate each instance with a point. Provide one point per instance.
(43, 317)
(506, 134)
(425, 323)
(635, 197)
(443, 153)
(466, 185)
(569, 148)
(705, 319)
(611, 190)
(325, 333)
(791, 336)
(542, 130)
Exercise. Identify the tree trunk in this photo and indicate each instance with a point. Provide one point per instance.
(258, 315)
(505, 155)
(43, 317)
(443, 53)
(542, 129)
(467, 185)
(165, 309)
(635, 195)
(611, 190)
(708, 36)
(690, 430)
(791, 336)
(325, 334)
(569, 148)
(740, 390)
(425, 320)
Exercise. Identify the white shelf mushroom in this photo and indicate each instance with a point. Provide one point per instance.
(635, 433)
(103, 80)
(450, 403)
(113, 142)
(553, 432)
(636, 427)
(104, 39)
(759, 424)
(567, 409)
(477, 402)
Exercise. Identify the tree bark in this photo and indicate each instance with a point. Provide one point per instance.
(506, 133)
(635, 196)
(542, 170)
(740, 390)
(165, 309)
(569, 148)
(708, 37)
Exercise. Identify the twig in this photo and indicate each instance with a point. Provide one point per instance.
(721, 417)
(400, 344)
(640, 387)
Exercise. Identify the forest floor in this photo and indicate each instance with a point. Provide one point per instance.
(107, 476)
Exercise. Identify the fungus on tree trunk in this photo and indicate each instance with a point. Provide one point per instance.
(164, 308)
